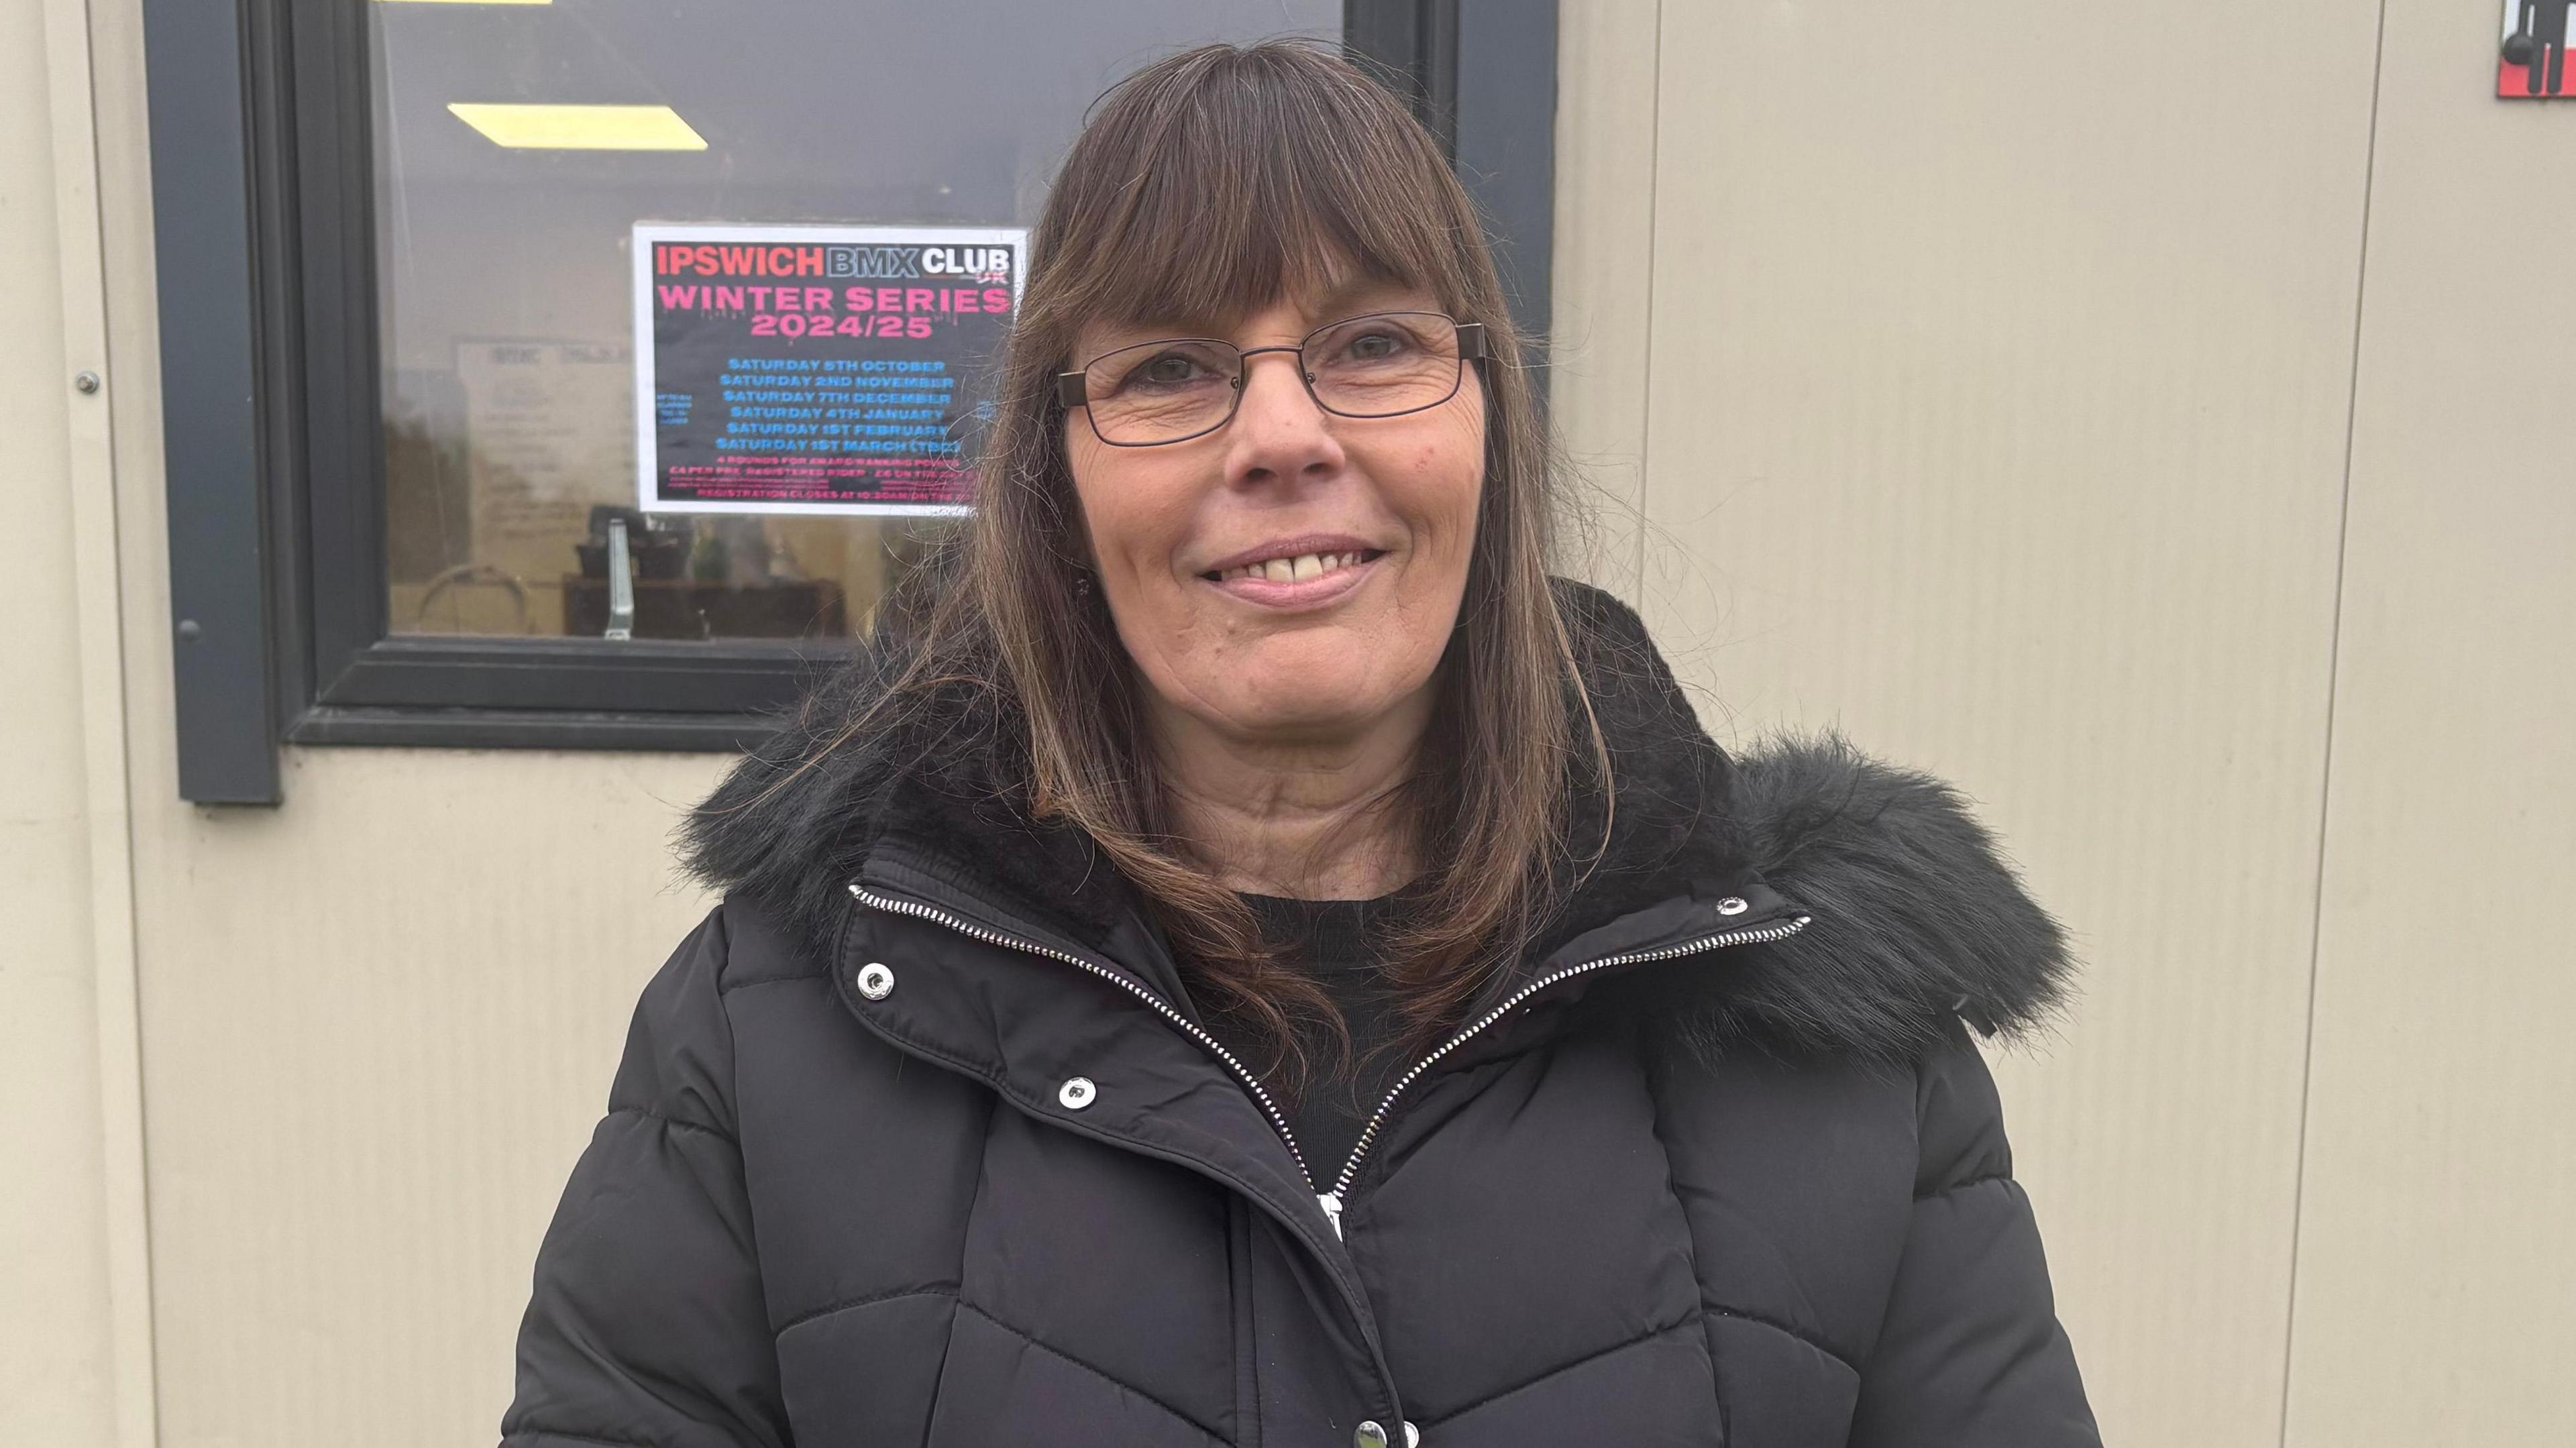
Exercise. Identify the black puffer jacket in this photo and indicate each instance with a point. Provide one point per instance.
(916, 1142)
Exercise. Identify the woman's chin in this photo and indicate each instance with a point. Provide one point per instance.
(1324, 706)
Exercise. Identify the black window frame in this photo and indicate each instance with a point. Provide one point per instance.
(264, 228)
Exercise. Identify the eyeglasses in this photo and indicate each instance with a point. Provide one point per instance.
(1385, 364)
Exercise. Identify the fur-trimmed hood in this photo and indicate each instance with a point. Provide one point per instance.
(1915, 917)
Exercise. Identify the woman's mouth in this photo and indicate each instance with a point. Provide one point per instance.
(1296, 580)
(1300, 569)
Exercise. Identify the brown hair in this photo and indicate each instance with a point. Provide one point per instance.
(1206, 186)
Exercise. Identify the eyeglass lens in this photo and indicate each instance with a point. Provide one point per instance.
(1375, 366)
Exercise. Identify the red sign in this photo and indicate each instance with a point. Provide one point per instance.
(2533, 64)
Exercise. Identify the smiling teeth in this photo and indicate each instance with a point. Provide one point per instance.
(1292, 570)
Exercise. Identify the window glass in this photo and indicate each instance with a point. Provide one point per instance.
(507, 295)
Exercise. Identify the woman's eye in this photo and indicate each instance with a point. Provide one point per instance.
(1167, 369)
(1375, 347)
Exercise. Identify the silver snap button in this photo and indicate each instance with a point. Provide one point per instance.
(1412, 1435)
(1370, 1435)
(876, 980)
(1077, 1093)
(1732, 905)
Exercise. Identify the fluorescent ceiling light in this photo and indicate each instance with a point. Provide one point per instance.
(582, 128)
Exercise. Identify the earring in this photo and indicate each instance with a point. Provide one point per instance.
(1082, 585)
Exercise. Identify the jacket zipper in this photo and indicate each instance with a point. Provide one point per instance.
(1330, 1201)
(1753, 935)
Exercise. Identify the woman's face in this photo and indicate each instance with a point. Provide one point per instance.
(1363, 528)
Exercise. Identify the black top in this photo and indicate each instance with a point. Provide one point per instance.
(1340, 943)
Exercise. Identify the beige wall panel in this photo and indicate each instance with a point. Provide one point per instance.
(1602, 283)
(55, 1343)
(2437, 1267)
(378, 1023)
(2000, 367)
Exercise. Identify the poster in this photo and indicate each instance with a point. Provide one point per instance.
(816, 369)
(2534, 61)
(546, 434)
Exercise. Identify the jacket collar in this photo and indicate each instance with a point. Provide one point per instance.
(1916, 918)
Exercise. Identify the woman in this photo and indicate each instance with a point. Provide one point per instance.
(1262, 965)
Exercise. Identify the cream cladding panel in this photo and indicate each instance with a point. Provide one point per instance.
(378, 1022)
(1997, 363)
(2437, 1250)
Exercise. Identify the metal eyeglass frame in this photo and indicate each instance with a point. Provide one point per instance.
(1072, 389)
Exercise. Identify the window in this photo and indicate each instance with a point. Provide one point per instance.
(408, 234)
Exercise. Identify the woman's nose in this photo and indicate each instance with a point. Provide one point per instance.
(1278, 427)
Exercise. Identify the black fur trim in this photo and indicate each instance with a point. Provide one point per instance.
(1916, 917)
